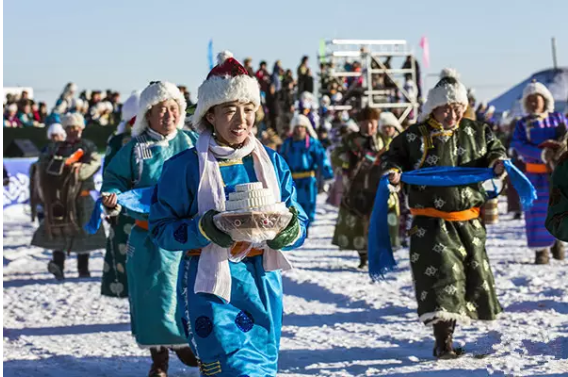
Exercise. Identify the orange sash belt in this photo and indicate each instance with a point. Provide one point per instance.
(141, 224)
(237, 248)
(536, 168)
(85, 193)
(468, 214)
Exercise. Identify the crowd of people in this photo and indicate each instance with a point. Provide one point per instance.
(188, 289)
(97, 107)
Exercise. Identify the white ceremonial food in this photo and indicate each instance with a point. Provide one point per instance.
(249, 186)
(250, 196)
(240, 195)
(235, 205)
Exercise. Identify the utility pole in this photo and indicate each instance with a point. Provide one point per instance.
(554, 60)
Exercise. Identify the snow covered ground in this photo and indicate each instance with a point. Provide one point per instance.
(337, 323)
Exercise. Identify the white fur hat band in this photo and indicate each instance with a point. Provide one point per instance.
(228, 81)
(130, 106)
(536, 87)
(300, 120)
(55, 129)
(155, 93)
(448, 90)
(73, 119)
(389, 119)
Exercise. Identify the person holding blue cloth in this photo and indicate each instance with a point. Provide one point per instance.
(152, 272)
(232, 308)
(452, 276)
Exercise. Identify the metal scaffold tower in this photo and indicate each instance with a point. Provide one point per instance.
(366, 73)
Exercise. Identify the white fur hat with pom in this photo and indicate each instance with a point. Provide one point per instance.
(55, 129)
(153, 94)
(536, 87)
(389, 119)
(300, 120)
(130, 106)
(129, 111)
(448, 90)
(228, 81)
(73, 119)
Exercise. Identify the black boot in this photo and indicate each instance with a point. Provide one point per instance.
(542, 257)
(362, 260)
(160, 362)
(83, 265)
(557, 250)
(444, 348)
(57, 264)
(186, 356)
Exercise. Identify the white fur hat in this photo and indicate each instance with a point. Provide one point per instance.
(130, 106)
(536, 87)
(352, 125)
(449, 72)
(300, 120)
(153, 94)
(101, 106)
(55, 129)
(447, 90)
(13, 107)
(77, 103)
(228, 81)
(73, 119)
(389, 119)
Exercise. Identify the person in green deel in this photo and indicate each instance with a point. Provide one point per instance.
(452, 277)
(557, 218)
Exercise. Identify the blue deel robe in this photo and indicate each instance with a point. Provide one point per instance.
(529, 132)
(151, 272)
(241, 337)
(305, 157)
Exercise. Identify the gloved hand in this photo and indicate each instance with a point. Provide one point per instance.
(212, 232)
(288, 234)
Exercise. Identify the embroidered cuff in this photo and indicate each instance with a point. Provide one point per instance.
(200, 227)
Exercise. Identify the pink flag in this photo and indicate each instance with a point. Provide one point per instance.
(425, 52)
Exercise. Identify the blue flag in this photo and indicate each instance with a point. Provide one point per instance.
(210, 54)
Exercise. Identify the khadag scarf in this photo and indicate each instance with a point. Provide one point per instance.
(381, 259)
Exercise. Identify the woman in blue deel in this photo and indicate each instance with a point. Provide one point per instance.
(233, 311)
(152, 272)
(306, 156)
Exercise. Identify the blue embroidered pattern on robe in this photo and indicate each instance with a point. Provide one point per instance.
(244, 321)
(203, 326)
(185, 327)
(180, 233)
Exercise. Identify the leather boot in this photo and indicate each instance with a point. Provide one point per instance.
(444, 348)
(83, 265)
(362, 260)
(557, 250)
(160, 361)
(57, 264)
(186, 356)
(542, 257)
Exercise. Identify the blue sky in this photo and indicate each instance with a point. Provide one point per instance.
(124, 44)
